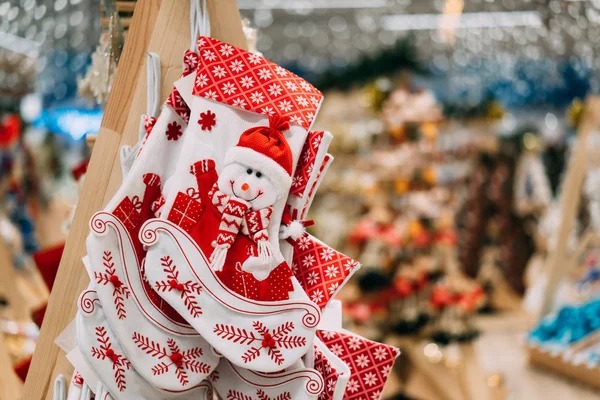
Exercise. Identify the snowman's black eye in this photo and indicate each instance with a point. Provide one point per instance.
(249, 171)
(258, 174)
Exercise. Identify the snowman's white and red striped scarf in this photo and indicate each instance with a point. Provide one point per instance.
(245, 80)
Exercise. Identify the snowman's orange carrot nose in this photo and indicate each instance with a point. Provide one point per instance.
(245, 186)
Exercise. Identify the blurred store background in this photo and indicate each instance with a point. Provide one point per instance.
(454, 123)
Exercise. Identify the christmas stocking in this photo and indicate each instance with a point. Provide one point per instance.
(370, 363)
(236, 383)
(137, 315)
(101, 349)
(334, 371)
(220, 228)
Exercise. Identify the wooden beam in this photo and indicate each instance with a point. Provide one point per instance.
(160, 27)
(570, 198)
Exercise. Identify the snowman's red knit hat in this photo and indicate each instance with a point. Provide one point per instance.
(266, 149)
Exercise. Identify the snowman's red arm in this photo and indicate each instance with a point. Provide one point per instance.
(206, 177)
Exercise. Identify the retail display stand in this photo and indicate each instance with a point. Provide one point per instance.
(570, 197)
(157, 26)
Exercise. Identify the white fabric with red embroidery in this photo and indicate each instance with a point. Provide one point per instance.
(218, 123)
(115, 257)
(294, 383)
(370, 363)
(101, 349)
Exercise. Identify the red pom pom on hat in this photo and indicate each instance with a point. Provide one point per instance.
(266, 149)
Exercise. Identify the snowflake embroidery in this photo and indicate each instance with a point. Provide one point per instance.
(310, 116)
(317, 141)
(211, 95)
(209, 55)
(376, 395)
(385, 371)
(296, 120)
(173, 131)
(201, 80)
(275, 90)
(308, 261)
(349, 265)
(380, 354)
(264, 74)
(281, 71)
(331, 271)
(352, 386)
(291, 86)
(285, 106)
(305, 85)
(333, 287)
(226, 50)
(267, 111)
(247, 82)
(314, 100)
(327, 254)
(302, 101)
(188, 290)
(312, 278)
(120, 291)
(257, 97)
(317, 296)
(207, 120)
(105, 351)
(328, 334)
(354, 343)
(254, 59)
(229, 88)
(304, 243)
(200, 42)
(183, 361)
(269, 341)
(362, 360)
(240, 103)
(219, 71)
(337, 349)
(370, 378)
(297, 181)
(236, 66)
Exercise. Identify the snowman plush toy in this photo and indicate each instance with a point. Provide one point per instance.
(237, 208)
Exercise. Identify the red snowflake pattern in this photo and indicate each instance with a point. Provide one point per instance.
(183, 361)
(173, 131)
(119, 363)
(187, 289)
(120, 291)
(214, 376)
(270, 341)
(207, 120)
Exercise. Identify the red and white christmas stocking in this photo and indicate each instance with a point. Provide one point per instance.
(242, 107)
(100, 347)
(370, 363)
(136, 313)
(294, 383)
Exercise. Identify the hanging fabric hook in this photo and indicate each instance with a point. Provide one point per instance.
(199, 22)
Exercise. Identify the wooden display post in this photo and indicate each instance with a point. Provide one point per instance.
(161, 27)
(570, 197)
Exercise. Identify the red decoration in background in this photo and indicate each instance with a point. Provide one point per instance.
(10, 131)
(207, 120)
(47, 262)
